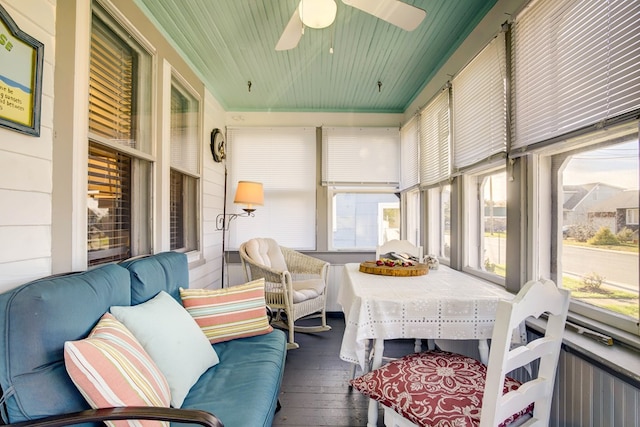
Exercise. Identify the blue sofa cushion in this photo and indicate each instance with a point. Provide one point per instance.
(242, 390)
(166, 271)
(35, 321)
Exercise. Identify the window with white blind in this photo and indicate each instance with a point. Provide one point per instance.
(361, 156)
(575, 65)
(119, 166)
(184, 169)
(435, 141)
(479, 107)
(284, 161)
(409, 180)
(361, 167)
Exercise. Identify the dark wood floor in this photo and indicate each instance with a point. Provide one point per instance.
(315, 389)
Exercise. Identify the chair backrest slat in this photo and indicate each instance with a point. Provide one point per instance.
(534, 299)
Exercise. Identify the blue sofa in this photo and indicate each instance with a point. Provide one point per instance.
(38, 317)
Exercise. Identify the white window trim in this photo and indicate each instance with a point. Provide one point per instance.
(471, 227)
(71, 247)
(162, 177)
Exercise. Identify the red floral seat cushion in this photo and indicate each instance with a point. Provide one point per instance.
(433, 389)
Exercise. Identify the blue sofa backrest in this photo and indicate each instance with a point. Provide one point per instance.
(165, 271)
(35, 321)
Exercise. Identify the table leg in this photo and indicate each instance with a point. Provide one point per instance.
(483, 348)
(378, 350)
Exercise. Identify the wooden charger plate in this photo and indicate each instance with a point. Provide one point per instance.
(370, 267)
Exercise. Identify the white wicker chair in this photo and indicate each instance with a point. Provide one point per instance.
(295, 284)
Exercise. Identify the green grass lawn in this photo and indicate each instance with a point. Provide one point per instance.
(609, 298)
(616, 300)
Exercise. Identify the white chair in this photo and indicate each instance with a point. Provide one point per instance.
(400, 246)
(295, 284)
(466, 392)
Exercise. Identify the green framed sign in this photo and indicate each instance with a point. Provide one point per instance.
(21, 58)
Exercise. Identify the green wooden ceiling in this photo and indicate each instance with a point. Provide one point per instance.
(232, 42)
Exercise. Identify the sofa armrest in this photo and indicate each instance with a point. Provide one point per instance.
(192, 416)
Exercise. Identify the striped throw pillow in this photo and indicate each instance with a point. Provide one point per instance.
(110, 368)
(229, 313)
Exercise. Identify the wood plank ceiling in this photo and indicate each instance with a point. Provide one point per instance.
(232, 42)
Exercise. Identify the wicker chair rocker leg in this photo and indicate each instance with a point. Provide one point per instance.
(289, 324)
(291, 344)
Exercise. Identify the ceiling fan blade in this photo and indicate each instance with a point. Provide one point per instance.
(395, 12)
(292, 33)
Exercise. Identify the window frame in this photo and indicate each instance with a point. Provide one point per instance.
(436, 222)
(550, 161)
(185, 161)
(473, 229)
(141, 153)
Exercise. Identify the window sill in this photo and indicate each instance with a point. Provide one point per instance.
(619, 360)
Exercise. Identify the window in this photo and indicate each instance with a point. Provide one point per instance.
(284, 161)
(439, 202)
(412, 217)
(184, 176)
(363, 220)
(109, 205)
(486, 224)
(598, 244)
(119, 166)
(361, 169)
(183, 211)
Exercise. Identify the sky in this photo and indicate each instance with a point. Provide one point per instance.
(616, 165)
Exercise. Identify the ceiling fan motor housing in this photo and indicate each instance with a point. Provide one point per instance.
(317, 13)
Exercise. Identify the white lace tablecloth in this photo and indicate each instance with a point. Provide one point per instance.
(443, 304)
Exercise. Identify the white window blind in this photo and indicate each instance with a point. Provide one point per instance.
(284, 161)
(575, 64)
(435, 141)
(111, 86)
(119, 86)
(361, 156)
(479, 107)
(409, 155)
(184, 130)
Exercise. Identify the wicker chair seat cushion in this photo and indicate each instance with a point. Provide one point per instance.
(266, 252)
(307, 289)
(433, 389)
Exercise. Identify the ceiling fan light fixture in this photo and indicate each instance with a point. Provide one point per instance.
(317, 13)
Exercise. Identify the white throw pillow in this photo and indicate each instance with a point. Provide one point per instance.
(172, 339)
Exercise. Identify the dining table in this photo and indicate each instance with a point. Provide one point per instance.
(442, 304)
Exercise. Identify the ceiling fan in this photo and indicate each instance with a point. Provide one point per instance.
(322, 13)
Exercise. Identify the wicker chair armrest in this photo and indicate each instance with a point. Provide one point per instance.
(191, 416)
(299, 263)
(270, 275)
